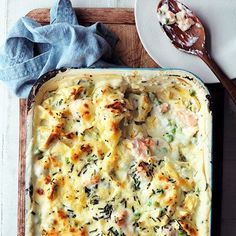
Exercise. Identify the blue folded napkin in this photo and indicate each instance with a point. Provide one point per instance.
(32, 50)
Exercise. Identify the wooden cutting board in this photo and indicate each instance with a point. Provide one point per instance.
(132, 54)
(129, 49)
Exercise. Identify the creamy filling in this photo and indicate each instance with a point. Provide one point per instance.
(181, 18)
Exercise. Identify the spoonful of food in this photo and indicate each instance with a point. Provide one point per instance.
(187, 33)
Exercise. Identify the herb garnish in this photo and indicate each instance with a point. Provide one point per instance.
(155, 228)
(124, 201)
(172, 180)
(168, 137)
(94, 200)
(133, 209)
(84, 168)
(136, 182)
(67, 159)
(159, 162)
(192, 92)
(113, 232)
(60, 101)
(160, 191)
(72, 168)
(87, 190)
(162, 212)
(106, 211)
(71, 213)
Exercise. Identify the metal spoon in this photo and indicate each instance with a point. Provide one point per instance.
(192, 40)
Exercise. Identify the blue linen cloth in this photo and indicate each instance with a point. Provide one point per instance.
(32, 49)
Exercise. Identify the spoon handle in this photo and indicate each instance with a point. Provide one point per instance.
(222, 77)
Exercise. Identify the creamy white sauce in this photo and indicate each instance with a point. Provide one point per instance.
(191, 41)
(129, 155)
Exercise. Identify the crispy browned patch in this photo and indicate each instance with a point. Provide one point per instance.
(52, 232)
(83, 232)
(75, 156)
(49, 110)
(70, 135)
(76, 92)
(143, 166)
(47, 179)
(185, 183)
(54, 134)
(72, 230)
(65, 114)
(86, 105)
(51, 161)
(163, 178)
(52, 195)
(100, 153)
(54, 222)
(114, 127)
(40, 191)
(54, 161)
(94, 180)
(86, 115)
(51, 137)
(120, 184)
(116, 107)
(46, 164)
(188, 227)
(61, 214)
(86, 148)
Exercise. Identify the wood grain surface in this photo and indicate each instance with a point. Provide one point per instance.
(21, 169)
(90, 15)
(129, 49)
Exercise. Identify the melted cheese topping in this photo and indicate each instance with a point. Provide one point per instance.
(118, 156)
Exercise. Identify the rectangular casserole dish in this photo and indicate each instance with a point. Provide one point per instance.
(118, 152)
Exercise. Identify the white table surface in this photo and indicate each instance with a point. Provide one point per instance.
(10, 11)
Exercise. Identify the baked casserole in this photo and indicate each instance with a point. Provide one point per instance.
(119, 152)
